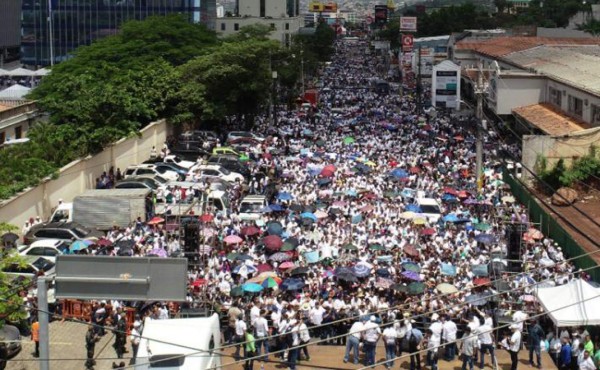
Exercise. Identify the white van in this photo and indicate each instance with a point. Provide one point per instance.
(430, 208)
(62, 213)
(180, 344)
(251, 206)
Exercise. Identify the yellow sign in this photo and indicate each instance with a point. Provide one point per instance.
(316, 7)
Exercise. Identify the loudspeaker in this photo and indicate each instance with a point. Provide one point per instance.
(514, 235)
(191, 237)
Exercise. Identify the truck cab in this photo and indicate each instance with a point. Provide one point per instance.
(62, 213)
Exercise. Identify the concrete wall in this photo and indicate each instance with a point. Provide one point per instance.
(568, 90)
(518, 92)
(81, 175)
(554, 148)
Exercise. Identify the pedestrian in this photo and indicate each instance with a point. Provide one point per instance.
(468, 348)
(135, 337)
(261, 328)
(449, 338)
(372, 333)
(354, 336)
(514, 346)
(566, 354)
(35, 337)
(435, 341)
(91, 338)
(293, 344)
(389, 338)
(536, 335)
(486, 342)
(587, 363)
(415, 337)
(240, 330)
(120, 331)
(249, 350)
(304, 339)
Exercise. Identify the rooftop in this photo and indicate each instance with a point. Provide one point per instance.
(500, 46)
(549, 119)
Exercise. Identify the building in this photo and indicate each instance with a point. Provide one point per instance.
(282, 16)
(10, 30)
(16, 118)
(76, 23)
(515, 5)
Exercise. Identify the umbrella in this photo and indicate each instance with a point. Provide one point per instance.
(481, 281)
(9, 238)
(323, 181)
(104, 243)
(528, 298)
(244, 269)
(242, 257)
(272, 242)
(232, 256)
(419, 221)
(386, 258)
(342, 270)
(274, 228)
(292, 284)
(448, 269)
(482, 226)
(159, 252)
(416, 288)
(428, 232)
(250, 230)
(411, 266)
(525, 280)
(237, 291)
(361, 270)
(410, 250)
(279, 257)
(125, 251)
(276, 207)
(400, 288)
(299, 271)
(326, 173)
(199, 282)
(252, 287)
(449, 198)
(348, 277)
(156, 220)
(478, 299)
(407, 215)
(413, 208)
(450, 191)
(479, 270)
(287, 247)
(125, 243)
(77, 246)
(232, 239)
(357, 218)
(311, 257)
(285, 196)
(309, 215)
(207, 217)
(446, 288)
(293, 241)
(287, 265)
(451, 217)
(295, 208)
(399, 173)
(264, 267)
(349, 140)
(384, 283)
(411, 275)
(321, 215)
(414, 170)
(269, 283)
(367, 208)
(485, 238)
(383, 272)
(376, 247)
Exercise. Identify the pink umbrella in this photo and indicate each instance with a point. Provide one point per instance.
(286, 265)
(367, 208)
(232, 239)
(339, 203)
(327, 173)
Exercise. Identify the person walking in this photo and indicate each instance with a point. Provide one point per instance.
(261, 328)
(249, 350)
(486, 341)
(135, 337)
(514, 346)
(449, 338)
(304, 339)
(536, 335)
(353, 341)
(35, 337)
(389, 338)
(372, 334)
(240, 330)
(415, 337)
(468, 347)
(91, 338)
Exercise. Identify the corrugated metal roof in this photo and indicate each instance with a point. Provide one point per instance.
(549, 119)
(578, 66)
(501, 46)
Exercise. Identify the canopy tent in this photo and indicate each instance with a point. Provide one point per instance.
(574, 304)
(15, 92)
(41, 72)
(19, 72)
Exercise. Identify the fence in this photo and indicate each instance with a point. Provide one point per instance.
(80, 175)
(551, 227)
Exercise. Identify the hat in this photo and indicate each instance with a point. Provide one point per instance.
(373, 318)
(435, 316)
(136, 324)
(514, 326)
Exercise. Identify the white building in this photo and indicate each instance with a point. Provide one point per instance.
(16, 118)
(282, 16)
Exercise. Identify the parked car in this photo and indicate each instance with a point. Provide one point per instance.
(151, 169)
(181, 171)
(231, 164)
(47, 248)
(190, 150)
(225, 150)
(209, 172)
(65, 231)
(137, 183)
(34, 266)
(244, 134)
(171, 158)
(12, 337)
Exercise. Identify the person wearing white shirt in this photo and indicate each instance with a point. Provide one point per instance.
(435, 340)
(514, 346)
(371, 335)
(254, 311)
(353, 340)
(518, 318)
(389, 338)
(449, 337)
(261, 328)
(486, 344)
(587, 363)
(316, 318)
(304, 339)
(240, 332)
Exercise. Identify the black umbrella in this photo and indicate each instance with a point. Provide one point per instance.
(343, 270)
(9, 238)
(299, 271)
(296, 208)
(348, 277)
(383, 272)
(292, 284)
(293, 241)
(125, 252)
(125, 243)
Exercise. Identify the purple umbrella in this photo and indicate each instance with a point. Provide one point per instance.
(411, 275)
(280, 257)
(470, 201)
(159, 252)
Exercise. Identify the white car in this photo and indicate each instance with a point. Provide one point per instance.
(47, 248)
(150, 169)
(178, 161)
(234, 135)
(210, 172)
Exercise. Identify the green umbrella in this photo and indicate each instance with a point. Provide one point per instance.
(350, 247)
(238, 291)
(390, 194)
(376, 247)
(416, 288)
(482, 226)
(349, 140)
(287, 247)
(400, 288)
(411, 266)
(269, 283)
(320, 142)
(232, 256)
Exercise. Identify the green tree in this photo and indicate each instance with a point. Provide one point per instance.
(592, 26)
(11, 303)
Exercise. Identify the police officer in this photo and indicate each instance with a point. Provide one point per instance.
(91, 338)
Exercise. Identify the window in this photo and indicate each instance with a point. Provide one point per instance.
(554, 96)
(575, 106)
(236, 27)
(36, 252)
(18, 132)
(272, 25)
(222, 26)
(262, 8)
(2, 137)
(287, 26)
(595, 114)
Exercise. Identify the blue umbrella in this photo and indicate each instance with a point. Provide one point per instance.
(480, 270)
(361, 270)
(312, 257)
(357, 218)
(77, 246)
(274, 228)
(408, 193)
(285, 196)
(309, 215)
(351, 193)
(411, 275)
(324, 181)
(485, 238)
(244, 269)
(449, 198)
(314, 171)
(363, 168)
(448, 269)
(383, 272)
(399, 173)
(450, 218)
(276, 207)
(252, 287)
(292, 284)
(413, 208)
(525, 279)
(478, 299)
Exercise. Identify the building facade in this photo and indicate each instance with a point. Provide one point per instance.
(10, 29)
(53, 29)
(16, 118)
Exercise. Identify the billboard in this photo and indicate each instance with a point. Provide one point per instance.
(446, 85)
(319, 7)
(408, 24)
(407, 42)
(381, 14)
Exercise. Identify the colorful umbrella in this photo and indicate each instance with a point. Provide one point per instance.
(485, 238)
(327, 173)
(252, 287)
(481, 281)
(448, 269)
(286, 247)
(237, 291)
(244, 269)
(274, 228)
(232, 239)
(269, 283)
(361, 270)
(445, 288)
(482, 226)
(383, 283)
(104, 243)
(299, 271)
(478, 299)
(159, 252)
(480, 270)
(156, 220)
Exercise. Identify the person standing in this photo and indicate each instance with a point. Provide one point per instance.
(587, 363)
(304, 339)
(514, 346)
(469, 347)
(487, 344)
(449, 338)
(536, 335)
(353, 341)
(249, 350)
(240, 330)
(435, 341)
(565, 354)
(261, 328)
(389, 338)
(35, 337)
(371, 335)
(91, 338)
(120, 334)
(415, 337)
(134, 338)
(295, 342)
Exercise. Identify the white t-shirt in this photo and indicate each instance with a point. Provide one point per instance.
(515, 341)
(450, 329)
(262, 327)
(390, 335)
(372, 332)
(240, 327)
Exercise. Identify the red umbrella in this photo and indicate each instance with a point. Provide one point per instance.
(481, 281)
(411, 250)
(428, 231)
(327, 172)
(103, 243)
(450, 191)
(199, 282)
(330, 167)
(156, 220)
(264, 267)
(207, 217)
(367, 208)
(250, 230)
(232, 239)
(414, 170)
(369, 195)
(463, 194)
(459, 138)
(286, 265)
(272, 242)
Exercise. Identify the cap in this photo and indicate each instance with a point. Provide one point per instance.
(373, 318)
(136, 324)
(435, 316)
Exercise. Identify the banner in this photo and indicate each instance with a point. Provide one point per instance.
(407, 42)
(408, 24)
(381, 14)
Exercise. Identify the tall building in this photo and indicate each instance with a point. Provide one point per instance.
(53, 29)
(10, 29)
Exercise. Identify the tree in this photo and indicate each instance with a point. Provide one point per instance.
(592, 26)
(11, 302)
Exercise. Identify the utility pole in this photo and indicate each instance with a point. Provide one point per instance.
(480, 122)
(44, 321)
(419, 80)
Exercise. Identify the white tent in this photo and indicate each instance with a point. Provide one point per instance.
(41, 72)
(20, 72)
(15, 92)
(574, 304)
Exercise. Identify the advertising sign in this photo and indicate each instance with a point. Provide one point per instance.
(446, 86)
(408, 24)
(381, 14)
(316, 7)
(407, 42)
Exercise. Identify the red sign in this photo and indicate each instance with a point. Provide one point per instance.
(407, 42)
